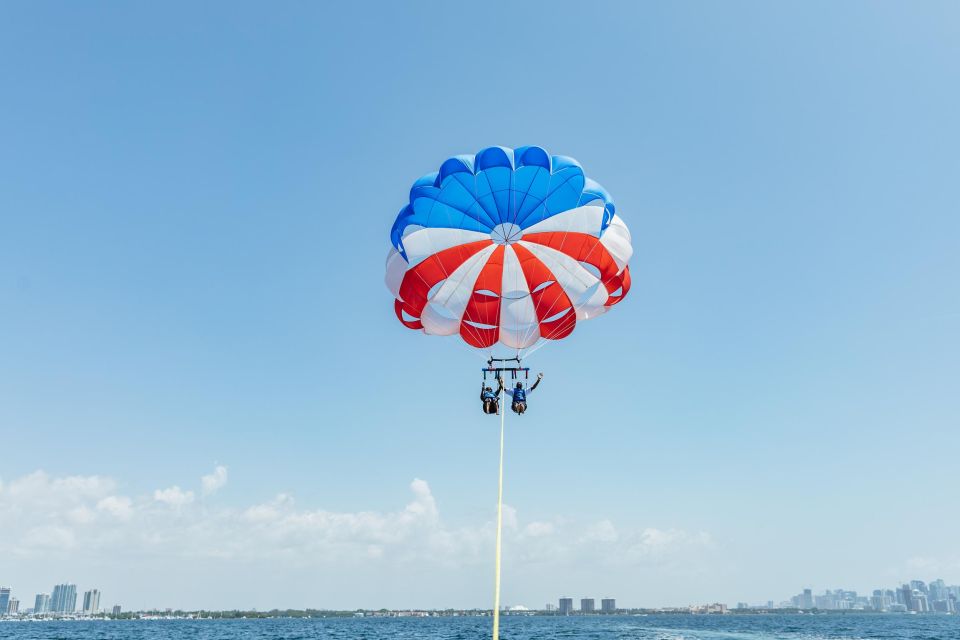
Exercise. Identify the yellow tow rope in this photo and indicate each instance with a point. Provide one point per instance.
(496, 582)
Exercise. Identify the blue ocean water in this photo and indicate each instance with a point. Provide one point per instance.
(654, 627)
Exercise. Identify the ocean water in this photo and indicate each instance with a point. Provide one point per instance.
(655, 627)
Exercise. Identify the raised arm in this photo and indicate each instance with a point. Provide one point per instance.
(539, 378)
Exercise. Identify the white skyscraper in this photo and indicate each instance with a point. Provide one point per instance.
(91, 601)
(42, 603)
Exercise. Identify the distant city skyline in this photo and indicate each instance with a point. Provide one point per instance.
(62, 600)
(914, 596)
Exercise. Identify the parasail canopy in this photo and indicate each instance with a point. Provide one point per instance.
(509, 246)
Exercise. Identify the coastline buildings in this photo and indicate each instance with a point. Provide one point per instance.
(716, 607)
(64, 598)
(116, 609)
(41, 604)
(62, 602)
(915, 596)
(91, 601)
(587, 606)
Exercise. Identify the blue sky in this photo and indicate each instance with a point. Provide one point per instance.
(195, 204)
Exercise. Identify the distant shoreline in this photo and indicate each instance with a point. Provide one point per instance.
(435, 613)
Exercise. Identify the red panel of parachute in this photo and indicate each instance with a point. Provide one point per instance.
(584, 247)
(480, 323)
(484, 309)
(621, 282)
(548, 301)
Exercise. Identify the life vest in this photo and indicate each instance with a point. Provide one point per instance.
(519, 395)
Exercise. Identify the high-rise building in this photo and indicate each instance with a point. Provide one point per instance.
(91, 601)
(942, 606)
(4, 599)
(938, 590)
(920, 602)
(14, 607)
(880, 601)
(64, 598)
(905, 596)
(587, 605)
(116, 609)
(806, 599)
(41, 604)
(566, 606)
(608, 605)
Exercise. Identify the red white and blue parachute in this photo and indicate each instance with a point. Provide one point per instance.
(509, 246)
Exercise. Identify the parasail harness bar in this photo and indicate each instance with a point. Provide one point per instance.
(498, 370)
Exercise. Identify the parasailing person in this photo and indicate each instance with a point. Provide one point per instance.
(490, 399)
(519, 395)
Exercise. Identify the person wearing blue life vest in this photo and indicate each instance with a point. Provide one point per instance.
(519, 395)
(490, 398)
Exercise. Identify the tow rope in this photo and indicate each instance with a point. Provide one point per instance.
(496, 582)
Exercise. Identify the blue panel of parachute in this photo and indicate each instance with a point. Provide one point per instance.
(523, 186)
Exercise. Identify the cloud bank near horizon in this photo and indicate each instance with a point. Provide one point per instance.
(67, 515)
(87, 520)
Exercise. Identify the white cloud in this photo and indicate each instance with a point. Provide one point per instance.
(81, 515)
(270, 511)
(602, 531)
(215, 481)
(118, 506)
(86, 516)
(173, 496)
(48, 537)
